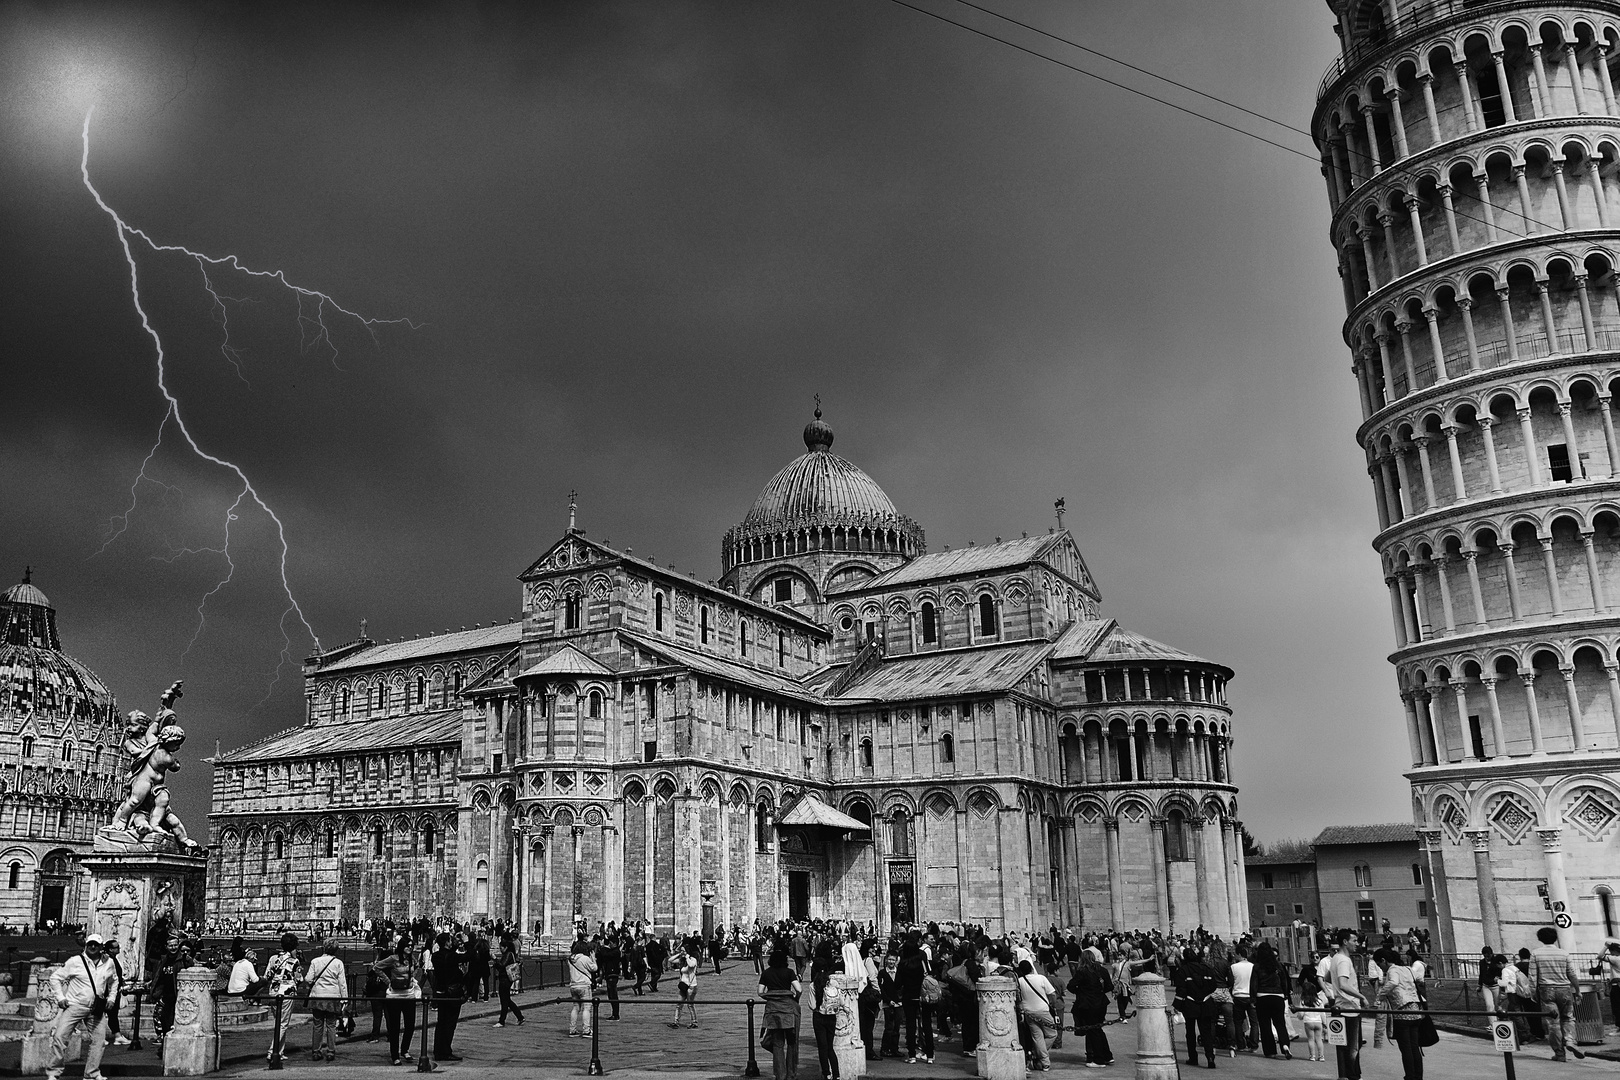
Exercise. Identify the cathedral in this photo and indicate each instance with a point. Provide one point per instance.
(843, 725)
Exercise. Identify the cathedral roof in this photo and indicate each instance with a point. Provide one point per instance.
(566, 661)
(950, 672)
(819, 488)
(964, 562)
(37, 676)
(811, 811)
(384, 733)
(719, 667)
(1104, 641)
(399, 652)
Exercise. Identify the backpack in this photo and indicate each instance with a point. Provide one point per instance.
(931, 990)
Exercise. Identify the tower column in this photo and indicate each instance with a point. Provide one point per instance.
(1612, 671)
(1593, 576)
(1512, 580)
(1506, 305)
(1426, 82)
(1608, 434)
(1498, 739)
(1440, 564)
(1528, 678)
(1532, 455)
(1466, 304)
(1397, 122)
(1552, 851)
(1471, 561)
(1485, 879)
(1412, 204)
(1421, 440)
(1483, 182)
(1413, 735)
(1600, 54)
(1539, 92)
(1459, 692)
(1459, 487)
(1574, 66)
(1577, 725)
(1116, 884)
(1466, 88)
(1505, 86)
(1552, 574)
(1486, 423)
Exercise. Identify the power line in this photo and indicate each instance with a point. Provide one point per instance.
(1405, 171)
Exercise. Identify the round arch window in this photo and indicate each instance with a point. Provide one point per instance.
(846, 624)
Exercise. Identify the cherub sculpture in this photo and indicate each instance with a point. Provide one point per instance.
(152, 745)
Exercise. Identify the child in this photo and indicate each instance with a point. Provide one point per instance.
(1312, 996)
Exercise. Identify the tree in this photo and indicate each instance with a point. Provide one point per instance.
(1250, 845)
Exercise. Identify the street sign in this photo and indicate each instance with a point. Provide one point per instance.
(1335, 1032)
(1541, 890)
(1559, 905)
(1504, 1036)
(1563, 921)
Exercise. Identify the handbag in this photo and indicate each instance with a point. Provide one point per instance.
(514, 972)
(1426, 1033)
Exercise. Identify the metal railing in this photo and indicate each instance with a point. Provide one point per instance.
(1414, 18)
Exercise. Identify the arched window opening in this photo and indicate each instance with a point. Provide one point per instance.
(762, 827)
(658, 611)
(866, 753)
(382, 697)
(863, 814)
(594, 707)
(331, 843)
(421, 689)
(947, 748)
(930, 625)
(742, 637)
(781, 649)
(95, 757)
(377, 842)
(61, 818)
(427, 839)
(571, 613)
(900, 833)
(703, 625)
(14, 878)
(1175, 836)
(281, 847)
(1363, 874)
(67, 751)
(987, 616)
(28, 746)
(345, 701)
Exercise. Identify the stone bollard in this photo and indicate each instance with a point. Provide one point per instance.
(192, 1047)
(1000, 1054)
(847, 1035)
(1155, 1050)
(36, 1045)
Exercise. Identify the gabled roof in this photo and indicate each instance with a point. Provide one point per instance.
(1399, 832)
(566, 661)
(495, 676)
(812, 811)
(386, 733)
(422, 648)
(980, 670)
(965, 562)
(719, 667)
(1100, 641)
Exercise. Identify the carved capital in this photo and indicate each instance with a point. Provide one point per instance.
(1481, 838)
(1466, 303)
(1551, 840)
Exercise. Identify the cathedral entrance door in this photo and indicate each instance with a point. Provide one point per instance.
(902, 901)
(798, 894)
(708, 921)
(50, 903)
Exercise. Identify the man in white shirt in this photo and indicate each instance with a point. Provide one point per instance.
(82, 988)
(1245, 1025)
(1344, 990)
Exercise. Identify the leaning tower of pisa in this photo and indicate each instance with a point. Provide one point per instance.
(1471, 151)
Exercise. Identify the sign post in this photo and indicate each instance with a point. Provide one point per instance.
(1505, 1037)
(1336, 1032)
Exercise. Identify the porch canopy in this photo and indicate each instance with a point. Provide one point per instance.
(811, 813)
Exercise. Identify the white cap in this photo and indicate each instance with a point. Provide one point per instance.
(94, 939)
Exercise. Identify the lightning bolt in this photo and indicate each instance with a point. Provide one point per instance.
(313, 332)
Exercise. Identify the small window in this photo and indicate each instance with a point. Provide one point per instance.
(987, 616)
(1417, 873)
(67, 751)
(1266, 881)
(781, 649)
(947, 748)
(1423, 909)
(571, 613)
(1293, 879)
(421, 689)
(427, 839)
(649, 751)
(930, 625)
(377, 842)
(900, 833)
(1558, 463)
(281, 849)
(866, 753)
(1299, 909)
(847, 623)
(28, 746)
(331, 843)
(762, 827)
(595, 706)
(784, 590)
(62, 818)
(497, 763)
(14, 877)
(742, 637)
(703, 626)
(658, 611)
(1271, 909)
(1363, 876)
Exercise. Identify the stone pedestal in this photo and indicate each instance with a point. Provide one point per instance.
(192, 1047)
(847, 1036)
(36, 1045)
(133, 886)
(1155, 1049)
(1001, 1056)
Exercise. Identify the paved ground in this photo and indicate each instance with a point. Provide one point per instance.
(641, 1045)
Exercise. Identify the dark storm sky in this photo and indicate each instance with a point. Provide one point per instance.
(641, 237)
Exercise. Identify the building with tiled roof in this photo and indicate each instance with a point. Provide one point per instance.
(60, 765)
(844, 724)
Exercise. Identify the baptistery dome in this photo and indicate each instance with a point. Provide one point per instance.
(824, 505)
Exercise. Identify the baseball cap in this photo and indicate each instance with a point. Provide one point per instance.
(94, 939)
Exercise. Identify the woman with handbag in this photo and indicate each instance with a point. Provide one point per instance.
(1090, 987)
(399, 999)
(1035, 1000)
(376, 991)
(779, 986)
(1398, 991)
(1195, 982)
(581, 986)
(328, 987)
(506, 975)
(825, 1008)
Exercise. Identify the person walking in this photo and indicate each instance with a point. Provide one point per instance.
(825, 1008)
(399, 999)
(1397, 991)
(1312, 999)
(893, 1005)
(870, 1000)
(1608, 969)
(328, 987)
(1089, 987)
(478, 973)
(1344, 990)
(962, 985)
(449, 990)
(282, 975)
(110, 949)
(779, 987)
(82, 988)
(1035, 999)
(657, 954)
(1553, 975)
(376, 991)
(582, 972)
(1244, 1021)
(919, 1021)
(1195, 982)
(505, 975)
(1268, 985)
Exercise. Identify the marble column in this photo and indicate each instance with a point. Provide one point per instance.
(1434, 855)
(1490, 918)
(1206, 917)
(1231, 843)
(1552, 850)
(1116, 885)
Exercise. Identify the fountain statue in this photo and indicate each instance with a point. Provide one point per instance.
(144, 820)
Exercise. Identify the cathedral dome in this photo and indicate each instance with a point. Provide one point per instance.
(820, 487)
(38, 676)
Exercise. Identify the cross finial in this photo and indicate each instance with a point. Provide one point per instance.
(1061, 508)
(362, 628)
(28, 575)
(818, 406)
(573, 497)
